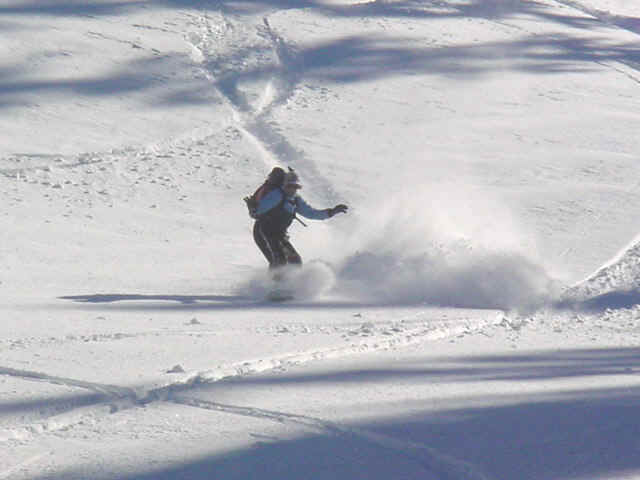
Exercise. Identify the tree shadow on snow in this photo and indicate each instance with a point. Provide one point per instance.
(363, 58)
(410, 9)
(38, 409)
(607, 301)
(588, 435)
(71, 7)
(556, 365)
(346, 60)
(136, 76)
(551, 434)
(352, 59)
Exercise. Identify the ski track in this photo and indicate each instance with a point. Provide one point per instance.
(627, 68)
(258, 128)
(431, 460)
(612, 21)
(255, 123)
(110, 399)
(602, 16)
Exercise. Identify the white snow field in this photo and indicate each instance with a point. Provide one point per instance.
(475, 314)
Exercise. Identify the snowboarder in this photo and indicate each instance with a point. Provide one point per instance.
(275, 212)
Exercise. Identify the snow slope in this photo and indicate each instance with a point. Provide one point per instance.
(443, 329)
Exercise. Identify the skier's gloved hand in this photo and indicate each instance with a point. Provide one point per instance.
(338, 209)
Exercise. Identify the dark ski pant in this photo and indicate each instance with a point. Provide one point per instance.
(275, 246)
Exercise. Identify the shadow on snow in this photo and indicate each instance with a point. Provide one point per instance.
(552, 434)
(352, 59)
(182, 299)
(414, 9)
(347, 60)
(136, 76)
(169, 302)
(614, 300)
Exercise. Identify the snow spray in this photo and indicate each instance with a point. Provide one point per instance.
(446, 246)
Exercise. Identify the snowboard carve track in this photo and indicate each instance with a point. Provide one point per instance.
(108, 390)
(431, 460)
(110, 399)
(601, 16)
(613, 21)
(256, 124)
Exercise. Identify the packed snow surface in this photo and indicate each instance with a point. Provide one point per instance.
(473, 316)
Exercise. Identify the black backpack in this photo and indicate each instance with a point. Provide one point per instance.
(274, 180)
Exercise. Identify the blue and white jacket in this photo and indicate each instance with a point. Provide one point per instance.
(276, 211)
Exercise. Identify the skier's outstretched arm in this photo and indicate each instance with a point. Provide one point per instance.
(308, 211)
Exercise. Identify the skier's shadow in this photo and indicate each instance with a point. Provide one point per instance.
(139, 302)
(182, 299)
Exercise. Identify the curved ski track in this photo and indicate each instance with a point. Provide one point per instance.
(260, 130)
(255, 123)
(615, 22)
(105, 400)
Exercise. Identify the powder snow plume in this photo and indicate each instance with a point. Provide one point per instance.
(303, 283)
(448, 247)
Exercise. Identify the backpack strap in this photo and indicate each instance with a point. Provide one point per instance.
(295, 215)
